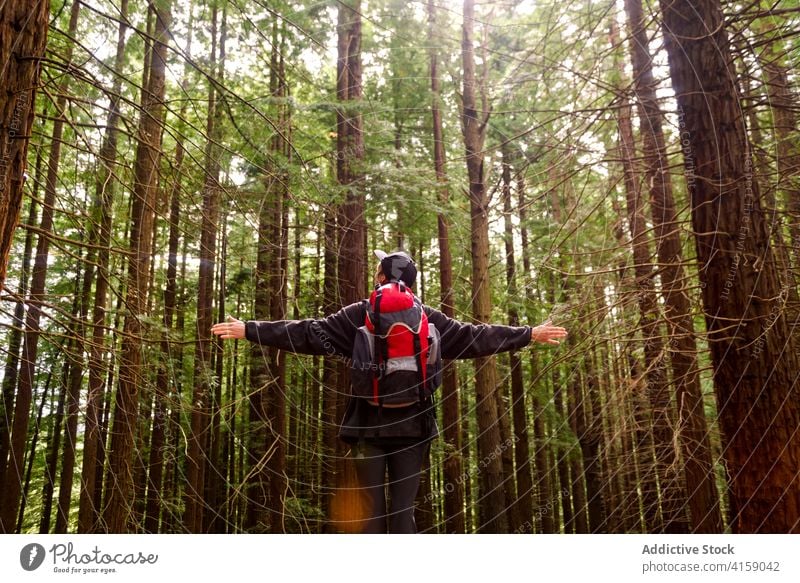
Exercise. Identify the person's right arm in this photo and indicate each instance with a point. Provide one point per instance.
(331, 336)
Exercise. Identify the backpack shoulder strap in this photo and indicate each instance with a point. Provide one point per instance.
(421, 357)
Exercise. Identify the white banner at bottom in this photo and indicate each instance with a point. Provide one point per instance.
(398, 558)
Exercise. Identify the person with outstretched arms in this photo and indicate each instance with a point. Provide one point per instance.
(394, 346)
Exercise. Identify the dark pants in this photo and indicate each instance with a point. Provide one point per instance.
(404, 464)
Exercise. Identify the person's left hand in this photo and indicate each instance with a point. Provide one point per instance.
(547, 333)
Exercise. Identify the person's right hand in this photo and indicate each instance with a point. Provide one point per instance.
(547, 333)
(230, 328)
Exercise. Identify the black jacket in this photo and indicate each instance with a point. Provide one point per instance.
(334, 336)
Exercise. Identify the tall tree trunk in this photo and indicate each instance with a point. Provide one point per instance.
(591, 439)
(615, 440)
(302, 421)
(692, 430)
(277, 193)
(454, 489)
(74, 362)
(330, 376)
(171, 521)
(762, 171)
(782, 101)
(350, 153)
(507, 457)
(102, 210)
(216, 489)
(53, 451)
(32, 457)
(146, 397)
(13, 476)
(523, 506)
(580, 517)
(23, 30)
(782, 97)
(261, 381)
(544, 500)
(166, 382)
(563, 452)
(577, 421)
(166, 392)
(230, 505)
(351, 224)
(199, 437)
(754, 359)
(562, 456)
(466, 476)
(132, 373)
(105, 414)
(493, 507)
(268, 401)
(319, 495)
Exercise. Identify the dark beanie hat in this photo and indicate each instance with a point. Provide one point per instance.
(398, 266)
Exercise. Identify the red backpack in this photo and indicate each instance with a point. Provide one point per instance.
(396, 353)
